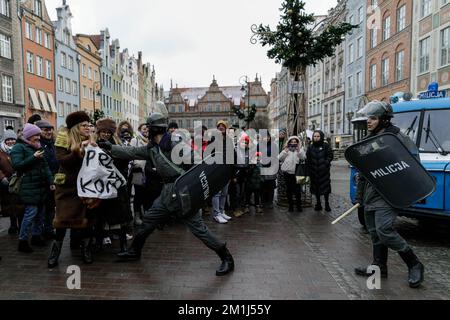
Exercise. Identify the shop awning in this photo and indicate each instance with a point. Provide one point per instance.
(52, 103)
(44, 101)
(34, 99)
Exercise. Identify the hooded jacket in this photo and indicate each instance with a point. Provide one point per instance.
(290, 159)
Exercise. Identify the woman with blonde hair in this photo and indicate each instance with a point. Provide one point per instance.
(71, 211)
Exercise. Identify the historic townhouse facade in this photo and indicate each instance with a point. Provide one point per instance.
(208, 105)
(355, 61)
(117, 77)
(11, 67)
(103, 43)
(90, 82)
(67, 66)
(38, 54)
(388, 48)
(333, 103)
(130, 88)
(431, 45)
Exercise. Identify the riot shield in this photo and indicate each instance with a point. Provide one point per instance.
(199, 184)
(392, 170)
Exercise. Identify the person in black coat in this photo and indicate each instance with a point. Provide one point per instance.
(318, 162)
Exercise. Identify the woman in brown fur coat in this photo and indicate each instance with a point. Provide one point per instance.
(71, 211)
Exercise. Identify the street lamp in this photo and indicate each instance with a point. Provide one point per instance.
(96, 87)
(246, 89)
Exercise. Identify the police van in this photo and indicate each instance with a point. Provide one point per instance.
(427, 122)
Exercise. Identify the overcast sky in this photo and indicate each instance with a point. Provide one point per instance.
(188, 41)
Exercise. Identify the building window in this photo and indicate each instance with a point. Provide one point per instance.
(63, 60)
(70, 63)
(385, 72)
(401, 18)
(38, 8)
(350, 20)
(39, 66)
(445, 46)
(5, 46)
(374, 3)
(373, 76)
(48, 67)
(28, 30)
(61, 109)
(424, 55)
(351, 57)
(95, 75)
(359, 47)
(373, 38)
(30, 62)
(7, 86)
(425, 8)
(38, 35)
(360, 15)
(66, 37)
(67, 109)
(444, 2)
(74, 88)
(399, 65)
(85, 92)
(68, 87)
(47, 43)
(83, 70)
(4, 8)
(359, 83)
(350, 86)
(60, 83)
(386, 28)
(90, 73)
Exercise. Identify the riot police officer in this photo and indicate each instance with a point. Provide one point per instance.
(379, 215)
(158, 153)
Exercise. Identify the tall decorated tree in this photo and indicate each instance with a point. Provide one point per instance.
(297, 44)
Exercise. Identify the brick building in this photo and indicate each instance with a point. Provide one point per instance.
(388, 53)
(38, 55)
(90, 82)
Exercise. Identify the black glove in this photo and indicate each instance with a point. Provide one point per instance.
(105, 145)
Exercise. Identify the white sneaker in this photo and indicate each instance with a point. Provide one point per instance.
(225, 216)
(220, 219)
(107, 241)
(129, 237)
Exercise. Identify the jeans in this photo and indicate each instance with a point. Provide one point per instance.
(219, 201)
(33, 217)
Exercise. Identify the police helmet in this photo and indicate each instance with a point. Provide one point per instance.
(158, 120)
(379, 109)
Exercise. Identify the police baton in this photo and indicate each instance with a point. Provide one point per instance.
(346, 213)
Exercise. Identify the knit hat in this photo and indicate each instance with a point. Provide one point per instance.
(35, 117)
(76, 118)
(106, 125)
(222, 122)
(44, 124)
(30, 130)
(283, 131)
(9, 134)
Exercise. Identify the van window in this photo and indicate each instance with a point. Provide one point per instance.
(408, 122)
(436, 131)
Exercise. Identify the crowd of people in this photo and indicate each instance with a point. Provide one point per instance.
(39, 167)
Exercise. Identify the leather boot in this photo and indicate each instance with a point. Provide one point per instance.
(227, 265)
(133, 253)
(415, 268)
(54, 254)
(327, 207)
(123, 242)
(318, 207)
(380, 257)
(24, 247)
(86, 251)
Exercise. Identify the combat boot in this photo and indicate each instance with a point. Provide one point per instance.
(227, 265)
(415, 268)
(86, 251)
(54, 254)
(380, 257)
(133, 253)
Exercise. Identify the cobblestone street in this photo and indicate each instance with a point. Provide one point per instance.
(278, 256)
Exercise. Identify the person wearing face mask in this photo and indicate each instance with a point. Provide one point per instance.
(48, 144)
(290, 157)
(380, 217)
(28, 159)
(10, 203)
(318, 161)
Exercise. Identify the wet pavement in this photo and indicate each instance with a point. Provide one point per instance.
(278, 256)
